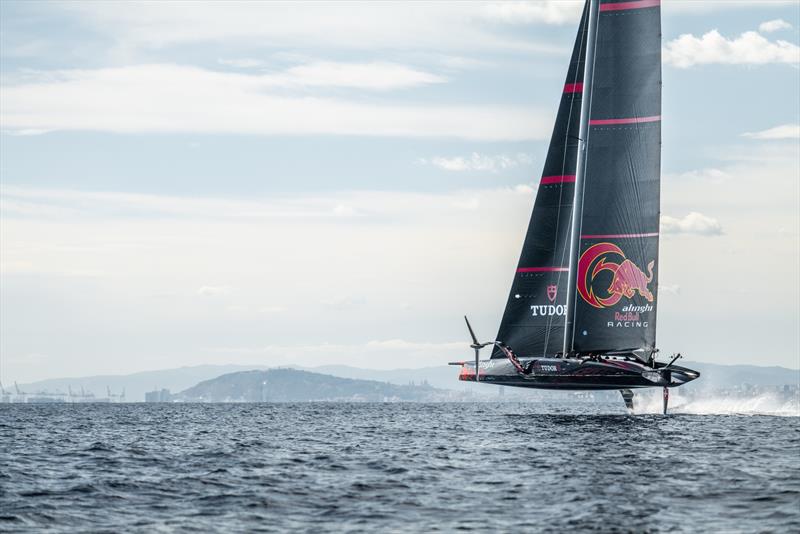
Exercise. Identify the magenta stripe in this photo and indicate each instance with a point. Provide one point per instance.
(573, 88)
(618, 236)
(632, 120)
(542, 269)
(557, 179)
(635, 4)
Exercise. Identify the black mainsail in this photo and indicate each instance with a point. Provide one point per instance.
(591, 287)
(616, 256)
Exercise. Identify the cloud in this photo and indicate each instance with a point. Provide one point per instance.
(547, 12)
(343, 302)
(693, 223)
(397, 25)
(750, 48)
(341, 210)
(479, 162)
(214, 291)
(377, 75)
(784, 131)
(373, 354)
(712, 175)
(242, 63)
(269, 310)
(774, 25)
(173, 98)
(669, 289)
(699, 8)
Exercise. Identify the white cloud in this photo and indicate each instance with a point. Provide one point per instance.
(541, 11)
(750, 48)
(774, 25)
(340, 210)
(460, 62)
(524, 189)
(784, 131)
(214, 291)
(693, 223)
(269, 310)
(399, 25)
(669, 289)
(479, 162)
(699, 8)
(374, 354)
(172, 98)
(241, 63)
(712, 175)
(376, 75)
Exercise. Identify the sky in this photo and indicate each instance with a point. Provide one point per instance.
(317, 183)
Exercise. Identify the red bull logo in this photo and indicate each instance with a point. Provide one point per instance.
(626, 277)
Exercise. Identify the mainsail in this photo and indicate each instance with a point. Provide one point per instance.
(617, 257)
(611, 253)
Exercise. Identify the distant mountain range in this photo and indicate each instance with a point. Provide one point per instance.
(292, 385)
(443, 377)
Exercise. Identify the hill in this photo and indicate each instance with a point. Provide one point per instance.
(443, 377)
(136, 384)
(292, 385)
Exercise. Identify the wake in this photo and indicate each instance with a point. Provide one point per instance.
(765, 404)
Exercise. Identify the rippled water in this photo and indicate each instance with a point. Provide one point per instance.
(394, 467)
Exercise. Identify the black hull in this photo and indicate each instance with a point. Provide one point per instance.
(577, 374)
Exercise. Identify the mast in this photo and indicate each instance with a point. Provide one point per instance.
(580, 174)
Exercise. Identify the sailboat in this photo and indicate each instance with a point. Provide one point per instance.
(581, 313)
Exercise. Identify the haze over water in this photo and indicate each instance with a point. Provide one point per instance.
(398, 467)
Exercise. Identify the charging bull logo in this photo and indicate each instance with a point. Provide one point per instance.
(627, 277)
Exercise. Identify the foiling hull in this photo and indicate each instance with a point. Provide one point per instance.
(577, 374)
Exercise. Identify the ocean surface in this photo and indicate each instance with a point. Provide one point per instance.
(550, 467)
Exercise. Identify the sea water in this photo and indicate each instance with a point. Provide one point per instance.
(550, 467)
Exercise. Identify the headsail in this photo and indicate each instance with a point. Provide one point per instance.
(533, 321)
(617, 252)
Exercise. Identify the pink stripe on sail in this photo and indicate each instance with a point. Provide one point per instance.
(634, 4)
(573, 88)
(631, 120)
(557, 179)
(618, 236)
(542, 269)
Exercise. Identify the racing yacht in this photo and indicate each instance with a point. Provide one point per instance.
(581, 313)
